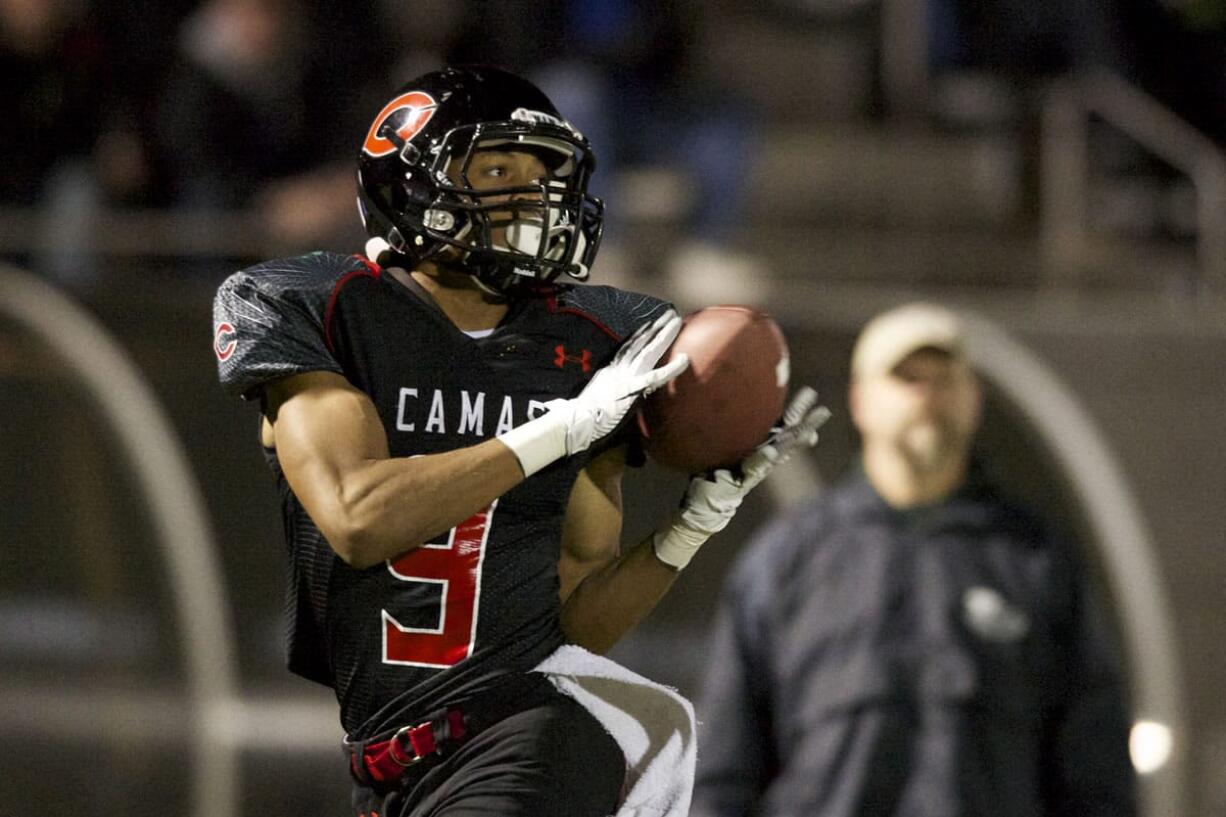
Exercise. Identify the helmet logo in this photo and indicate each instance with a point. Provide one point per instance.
(412, 111)
(541, 118)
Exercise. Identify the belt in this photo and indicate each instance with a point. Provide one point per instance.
(397, 757)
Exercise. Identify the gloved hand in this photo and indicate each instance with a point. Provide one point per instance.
(571, 426)
(712, 499)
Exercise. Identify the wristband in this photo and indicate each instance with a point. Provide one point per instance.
(677, 544)
(537, 443)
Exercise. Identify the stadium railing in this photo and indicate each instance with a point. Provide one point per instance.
(1065, 185)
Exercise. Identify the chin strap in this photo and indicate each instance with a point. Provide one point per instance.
(376, 247)
(382, 253)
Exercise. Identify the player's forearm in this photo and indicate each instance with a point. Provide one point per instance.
(613, 600)
(386, 507)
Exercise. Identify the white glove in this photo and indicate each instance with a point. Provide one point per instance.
(712, 499)
(571, 426)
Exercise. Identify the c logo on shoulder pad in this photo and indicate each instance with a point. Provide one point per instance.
(224, 341)
(407, 114)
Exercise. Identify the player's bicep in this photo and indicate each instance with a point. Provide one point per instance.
(591, 533)
(323, 429)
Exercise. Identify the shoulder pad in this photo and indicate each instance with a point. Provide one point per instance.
(616, 311)
(270, 320)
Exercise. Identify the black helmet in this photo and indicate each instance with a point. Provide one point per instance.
(414, 195)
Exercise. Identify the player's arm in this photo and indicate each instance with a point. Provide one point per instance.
(604, 593)
(613, 593)
(372, 506)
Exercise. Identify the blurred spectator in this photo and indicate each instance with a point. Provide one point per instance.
(1021, 38)
(258, 110)
(625, 72)
(911, 643)
(140, 37)
(79, 78)
(422, 34)
(1174, 49)
(54, 66)
(66, 151)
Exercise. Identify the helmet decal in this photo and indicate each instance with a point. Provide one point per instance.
(420, 107)
(539, 117)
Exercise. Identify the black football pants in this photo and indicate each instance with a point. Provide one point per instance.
(552, 760)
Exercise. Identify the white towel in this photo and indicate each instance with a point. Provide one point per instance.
(652, 723)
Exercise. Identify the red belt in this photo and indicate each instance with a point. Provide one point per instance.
(383, 761)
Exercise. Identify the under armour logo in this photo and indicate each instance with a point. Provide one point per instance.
(561, 358)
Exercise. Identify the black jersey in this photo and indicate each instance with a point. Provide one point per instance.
(447, 618)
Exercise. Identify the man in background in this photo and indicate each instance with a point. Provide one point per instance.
(911, 643)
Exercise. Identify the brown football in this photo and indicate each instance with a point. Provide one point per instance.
(725, 403)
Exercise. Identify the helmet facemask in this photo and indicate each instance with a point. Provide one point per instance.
(515, 235)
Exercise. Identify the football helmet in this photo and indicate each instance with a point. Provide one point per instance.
(416, 200)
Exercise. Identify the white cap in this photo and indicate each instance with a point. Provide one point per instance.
(888, 338)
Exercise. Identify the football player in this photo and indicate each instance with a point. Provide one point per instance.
(445, 419)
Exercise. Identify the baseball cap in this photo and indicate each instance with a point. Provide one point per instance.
(892, 335)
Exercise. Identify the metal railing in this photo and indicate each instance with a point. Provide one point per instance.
(160, 465)
(1065, 184)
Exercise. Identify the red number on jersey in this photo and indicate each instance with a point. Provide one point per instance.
(455, 563)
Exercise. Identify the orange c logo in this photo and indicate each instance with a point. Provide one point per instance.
(420, 106)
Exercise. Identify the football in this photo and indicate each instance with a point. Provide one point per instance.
(726, 402)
